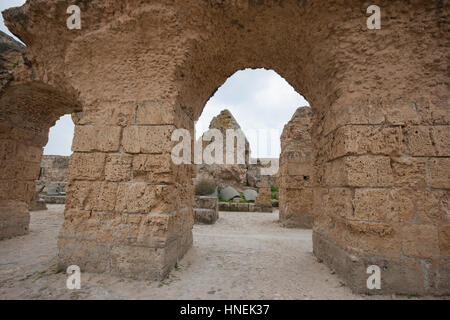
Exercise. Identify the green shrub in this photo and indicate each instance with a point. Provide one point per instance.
(274, 196)
(205, 187)
(274, 189)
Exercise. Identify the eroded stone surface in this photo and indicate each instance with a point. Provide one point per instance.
(296, 174)
(135, 73)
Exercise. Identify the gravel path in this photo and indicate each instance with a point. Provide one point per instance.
(242, 256)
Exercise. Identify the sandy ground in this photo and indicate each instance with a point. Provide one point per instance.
(242, 256)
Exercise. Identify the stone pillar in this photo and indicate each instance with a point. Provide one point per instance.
(262, 201)
(384, 194)
(20, 156)
(296, 173)
(129, 207)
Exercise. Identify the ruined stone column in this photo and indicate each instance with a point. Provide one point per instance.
(384, 194)
(296, 173)
(128, 209)
(20, 154)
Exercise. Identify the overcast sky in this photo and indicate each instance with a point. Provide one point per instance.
(261, 101)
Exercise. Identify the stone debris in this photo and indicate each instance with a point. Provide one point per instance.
(228, 193)
(250, 194)
(206, 210)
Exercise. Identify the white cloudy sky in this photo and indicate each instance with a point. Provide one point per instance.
(261, 101)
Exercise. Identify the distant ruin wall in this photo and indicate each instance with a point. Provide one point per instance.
(296, 173)
(53, 175)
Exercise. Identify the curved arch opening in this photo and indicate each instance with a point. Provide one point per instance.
(260, 100)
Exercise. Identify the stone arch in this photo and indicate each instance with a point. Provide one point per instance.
(381, 122)
(32, 108)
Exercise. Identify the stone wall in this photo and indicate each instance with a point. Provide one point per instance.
(254, 171)
(134, 73)
(54, 174)
(296, 173)
(20, 154)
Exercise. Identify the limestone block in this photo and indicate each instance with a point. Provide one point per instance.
(440, 173)
(359, 171)
(206, 202)
(118, 167)
(87, 166)
(147, 139)
(420, 241)
(205, 216)
(96, 138)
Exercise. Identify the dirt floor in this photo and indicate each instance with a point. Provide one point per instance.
(242, 256)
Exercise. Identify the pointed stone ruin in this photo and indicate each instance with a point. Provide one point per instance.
(225, 175)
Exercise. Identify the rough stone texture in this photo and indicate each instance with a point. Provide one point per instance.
(206, 210)
(296, 174)
(263, 200)
(136, 72)
(225, 174)
(11, 54)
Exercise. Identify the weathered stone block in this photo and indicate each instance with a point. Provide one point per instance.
(359, 171)
(419, 141)
(409, 171)
(205, 216)
(420, 241)
(96, 138)
(147, 139)
(87, 166)
(154, 113)
(118, 167)
(444, 240)
(371, 204)
(154, 168)
(439, 173)
(441, 137)
(7, 149)
(205, 202)
(28, 153)
(136, 198)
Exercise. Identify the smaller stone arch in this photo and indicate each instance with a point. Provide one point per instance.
(29, 108)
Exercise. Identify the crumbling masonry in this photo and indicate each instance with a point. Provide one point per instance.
(137, 71)
(296, 172)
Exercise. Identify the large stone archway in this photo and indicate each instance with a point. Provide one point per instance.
(28, 109)
(381, 125)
